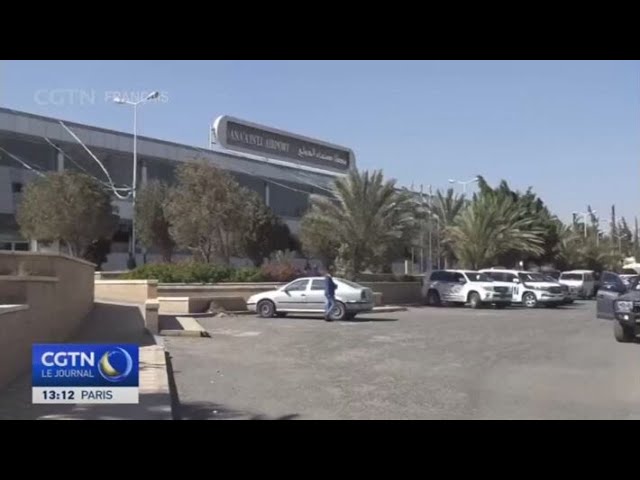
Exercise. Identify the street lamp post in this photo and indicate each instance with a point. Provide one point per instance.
(438, 253)
(463, 183)
(134, 187)
(619, 237)
(584, 216)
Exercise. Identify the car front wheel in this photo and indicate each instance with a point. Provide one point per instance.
(474, 300)
(433, 298)
(529, 300)
(623, 333)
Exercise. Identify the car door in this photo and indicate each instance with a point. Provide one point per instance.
(444, 285)
(437, 282)
(315, 297)
(612, 287)
(516, 285)
(457, 289)
(589, 284)
(293, 296)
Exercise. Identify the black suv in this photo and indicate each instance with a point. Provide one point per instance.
(620, 302)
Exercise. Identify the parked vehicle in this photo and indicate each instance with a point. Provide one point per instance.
(306, 295)
(583, 280)
(628, 274)
(570, 293)
(620, 303)
(529, 288)
(465, 286)
(554, 274)
(628, 279)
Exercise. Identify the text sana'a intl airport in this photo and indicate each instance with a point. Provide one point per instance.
(283, 168)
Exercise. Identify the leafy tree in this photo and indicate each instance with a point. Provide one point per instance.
(70, 207)
(152, 225)
(97, 251)
(317, 240)
(491, 226)
(263, 232)
(367, 214)
(533, 209)
(205, 211)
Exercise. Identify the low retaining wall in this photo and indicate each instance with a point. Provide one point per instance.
(185, 298)
(128, 291)
(53, 293)
(110, 275)
(244, 290)
(397, 293)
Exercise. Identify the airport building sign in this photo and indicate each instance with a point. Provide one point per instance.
(239, 135)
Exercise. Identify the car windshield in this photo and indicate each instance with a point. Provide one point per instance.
(349, 283)
(571, 276)
(532, 277)
(629, 271)
(478, 277)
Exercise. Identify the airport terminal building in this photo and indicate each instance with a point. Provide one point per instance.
(283, 168)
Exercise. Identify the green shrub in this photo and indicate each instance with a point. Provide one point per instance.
(193, 272)
(247, 275)
(280, 272)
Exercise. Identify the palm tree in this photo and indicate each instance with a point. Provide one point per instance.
(490, 226)
(568, 249)
(446, 209)
(366, 215)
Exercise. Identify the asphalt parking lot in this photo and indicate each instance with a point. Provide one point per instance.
(425, 363)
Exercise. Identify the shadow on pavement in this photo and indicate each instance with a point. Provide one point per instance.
(204, 410)
(169, 322)
(114, 323)
(363, 319)
(106, 323)
(16, 405)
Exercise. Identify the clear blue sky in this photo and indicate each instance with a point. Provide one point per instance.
(569, 129)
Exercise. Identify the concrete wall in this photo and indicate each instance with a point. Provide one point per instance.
(397, 293)
(189, 298)
(56, 294)
(389, 293)
(128, 291)
(244, 290)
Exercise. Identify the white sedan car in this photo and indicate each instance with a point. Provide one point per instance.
(306, 295)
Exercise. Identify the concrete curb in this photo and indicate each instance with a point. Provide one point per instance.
(184, 333)
(190, 328)
(388, 309)
(154, 380)
(382, 309)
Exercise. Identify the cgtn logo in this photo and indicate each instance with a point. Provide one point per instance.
(95, 365)
(114, 365)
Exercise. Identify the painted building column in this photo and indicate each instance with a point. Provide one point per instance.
(59, 162)
(144, 173)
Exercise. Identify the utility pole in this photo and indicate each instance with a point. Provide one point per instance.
(412, 239)
(429, 224)
(613, 221)
(421, 231)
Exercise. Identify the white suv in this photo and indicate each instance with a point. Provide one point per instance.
(529, 288)
(464, 286)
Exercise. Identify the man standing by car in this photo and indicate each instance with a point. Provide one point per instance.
(330, 295)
